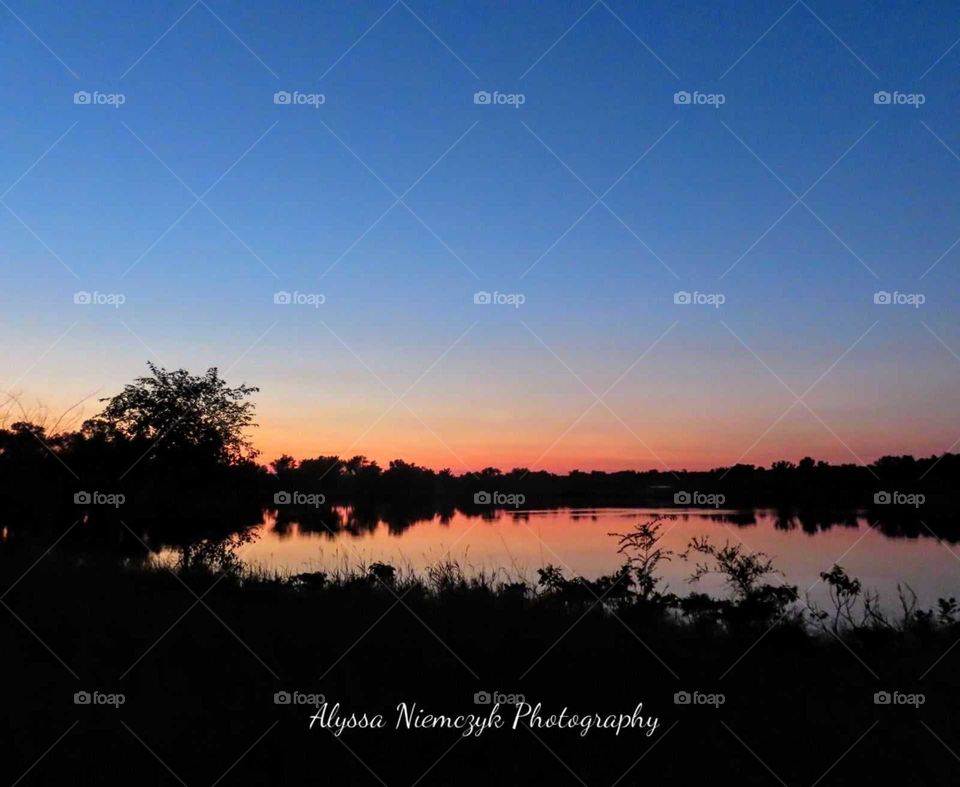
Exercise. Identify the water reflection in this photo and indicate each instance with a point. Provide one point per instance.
(517, 543)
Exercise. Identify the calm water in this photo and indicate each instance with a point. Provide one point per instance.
(579, 541)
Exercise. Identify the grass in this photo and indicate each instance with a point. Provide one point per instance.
(199, 677)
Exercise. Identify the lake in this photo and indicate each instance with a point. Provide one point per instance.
(577, 540)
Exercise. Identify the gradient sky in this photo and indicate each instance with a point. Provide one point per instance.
(94, 197)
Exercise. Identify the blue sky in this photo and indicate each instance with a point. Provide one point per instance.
(498, 205)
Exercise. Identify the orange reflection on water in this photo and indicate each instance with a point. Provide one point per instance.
(579, 541)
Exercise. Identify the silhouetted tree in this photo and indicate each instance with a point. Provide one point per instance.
(179, 411)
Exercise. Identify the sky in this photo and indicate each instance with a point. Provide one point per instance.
(586, 165)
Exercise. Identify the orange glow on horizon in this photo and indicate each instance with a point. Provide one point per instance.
(561, 437)
(623, 454)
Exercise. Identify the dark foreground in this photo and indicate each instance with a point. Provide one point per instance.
(199, 657)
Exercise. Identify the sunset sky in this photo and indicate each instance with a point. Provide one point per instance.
(199, 198)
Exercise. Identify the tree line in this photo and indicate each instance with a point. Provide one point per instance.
(176, 447)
